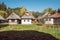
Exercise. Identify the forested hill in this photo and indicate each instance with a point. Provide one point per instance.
(6, 11)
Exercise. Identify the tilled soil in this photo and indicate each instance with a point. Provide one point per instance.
(25, 35)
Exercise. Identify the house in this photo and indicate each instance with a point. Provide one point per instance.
(44, 18)
(2, 20)
(55, 19)
(40, 19)
(13, 18)
(27, 18)
(49, 20)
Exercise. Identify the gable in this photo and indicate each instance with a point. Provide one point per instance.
(13, 16)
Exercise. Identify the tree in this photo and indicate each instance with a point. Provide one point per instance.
(3, 9)
(50, 10)
(58, 10)
(22, 11)
(3, 6)
(3, 13)
(9, 11)
(36, 14)
(17, 10)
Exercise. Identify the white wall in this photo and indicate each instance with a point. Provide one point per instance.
(26, 21)
(10, 22)
(50, 22)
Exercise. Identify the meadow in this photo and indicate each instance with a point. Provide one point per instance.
(41, 28)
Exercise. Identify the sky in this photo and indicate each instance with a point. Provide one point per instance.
(33, 5)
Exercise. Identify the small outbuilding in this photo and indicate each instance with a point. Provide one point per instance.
(27, 18)
(13, 19)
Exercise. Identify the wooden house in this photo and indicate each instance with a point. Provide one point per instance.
(13, 18)
(44, 18)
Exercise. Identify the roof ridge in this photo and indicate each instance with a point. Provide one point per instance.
(13, 16)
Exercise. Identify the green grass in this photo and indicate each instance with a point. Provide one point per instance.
(19, 27)
(55, 32)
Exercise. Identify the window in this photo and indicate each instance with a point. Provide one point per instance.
(24, 20)
(49, 19)
(13, 20)
(28, 20)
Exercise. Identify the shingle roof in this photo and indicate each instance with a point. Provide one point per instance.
(57, 15)
(28, 16)
(13, 16)
(1, 18)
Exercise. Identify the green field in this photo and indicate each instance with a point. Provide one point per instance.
(55, 32)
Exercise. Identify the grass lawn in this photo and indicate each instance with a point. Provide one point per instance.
(55, 32)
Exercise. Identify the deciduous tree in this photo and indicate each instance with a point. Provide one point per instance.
(22, 11)
(50, 10)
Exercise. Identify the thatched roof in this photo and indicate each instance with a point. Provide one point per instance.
(46, 15)
(13, 16)
(1, 18)
(28, 15)
(39, 17)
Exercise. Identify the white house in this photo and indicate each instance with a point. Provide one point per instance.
(46, 18)
(27, 18)
(55, 19)
(49, 20)
(13, 18)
